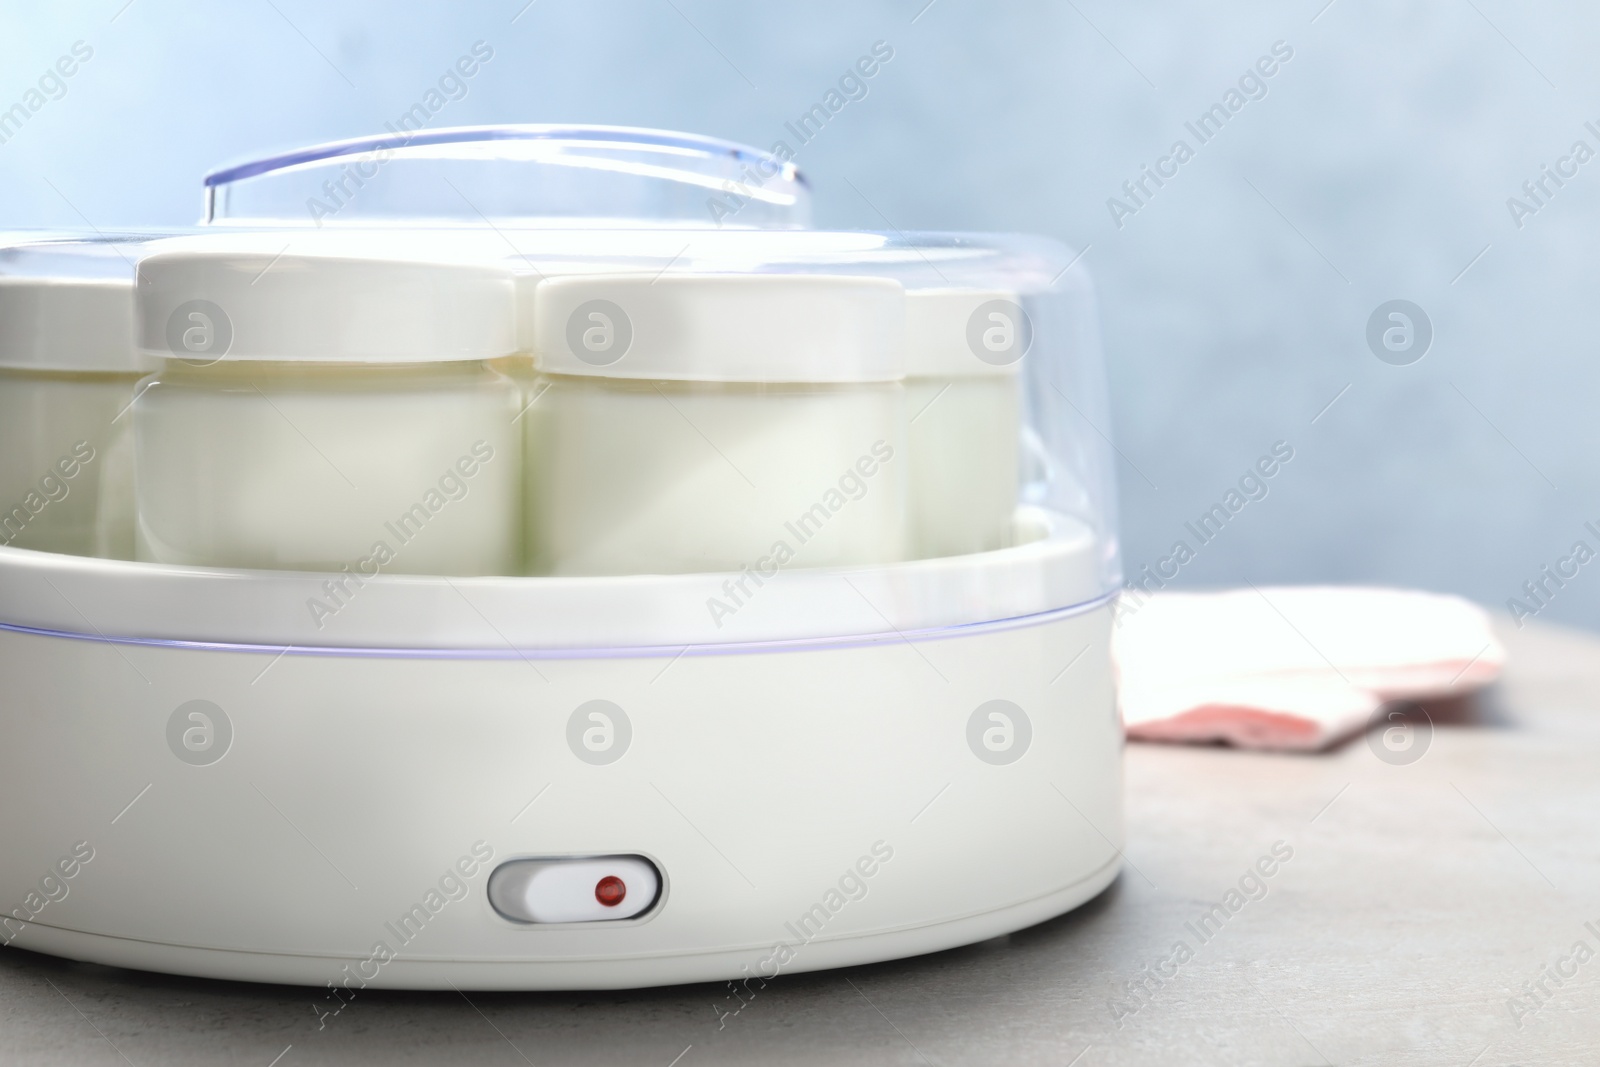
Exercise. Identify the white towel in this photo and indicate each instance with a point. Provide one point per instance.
(1289, 667)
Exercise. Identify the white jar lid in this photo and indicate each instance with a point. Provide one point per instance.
(268, 298)
(721, 327)
(68, 324)
(965, 333)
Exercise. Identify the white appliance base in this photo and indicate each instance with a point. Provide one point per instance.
(333, 819)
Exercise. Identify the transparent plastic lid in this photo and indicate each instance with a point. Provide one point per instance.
(511, 176)
(705, 384)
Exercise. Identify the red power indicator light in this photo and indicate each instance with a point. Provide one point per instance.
(610, 890)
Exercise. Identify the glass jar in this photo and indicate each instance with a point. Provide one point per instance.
(68, 371)
(330, 408)
(716, 422)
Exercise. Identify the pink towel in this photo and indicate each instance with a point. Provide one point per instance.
(1292, 667)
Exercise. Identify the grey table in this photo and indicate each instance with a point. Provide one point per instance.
(1419, 900)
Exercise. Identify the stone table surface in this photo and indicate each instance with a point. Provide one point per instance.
(1419, 900)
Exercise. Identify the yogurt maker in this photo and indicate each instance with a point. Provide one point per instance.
(558, 567)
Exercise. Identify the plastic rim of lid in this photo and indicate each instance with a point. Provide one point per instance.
(766, 328)
(965, 333)
(68, 324)
(525, 172)
(254, 301)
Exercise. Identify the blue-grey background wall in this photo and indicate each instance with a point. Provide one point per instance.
(1235, 298)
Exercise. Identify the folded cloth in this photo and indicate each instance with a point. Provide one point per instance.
(1288, 667)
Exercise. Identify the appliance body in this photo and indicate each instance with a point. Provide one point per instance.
(335, 812)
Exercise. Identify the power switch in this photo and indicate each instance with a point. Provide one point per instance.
(580, 889)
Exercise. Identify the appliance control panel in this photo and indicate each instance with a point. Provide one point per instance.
(574, 889)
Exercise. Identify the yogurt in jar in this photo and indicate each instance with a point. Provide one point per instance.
(68, 371)
(716, 422)
(963, 351)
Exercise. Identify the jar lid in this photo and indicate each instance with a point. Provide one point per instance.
(66, 302)
(80, 324)
(965, 333)
(300, 298)
(720, 327)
